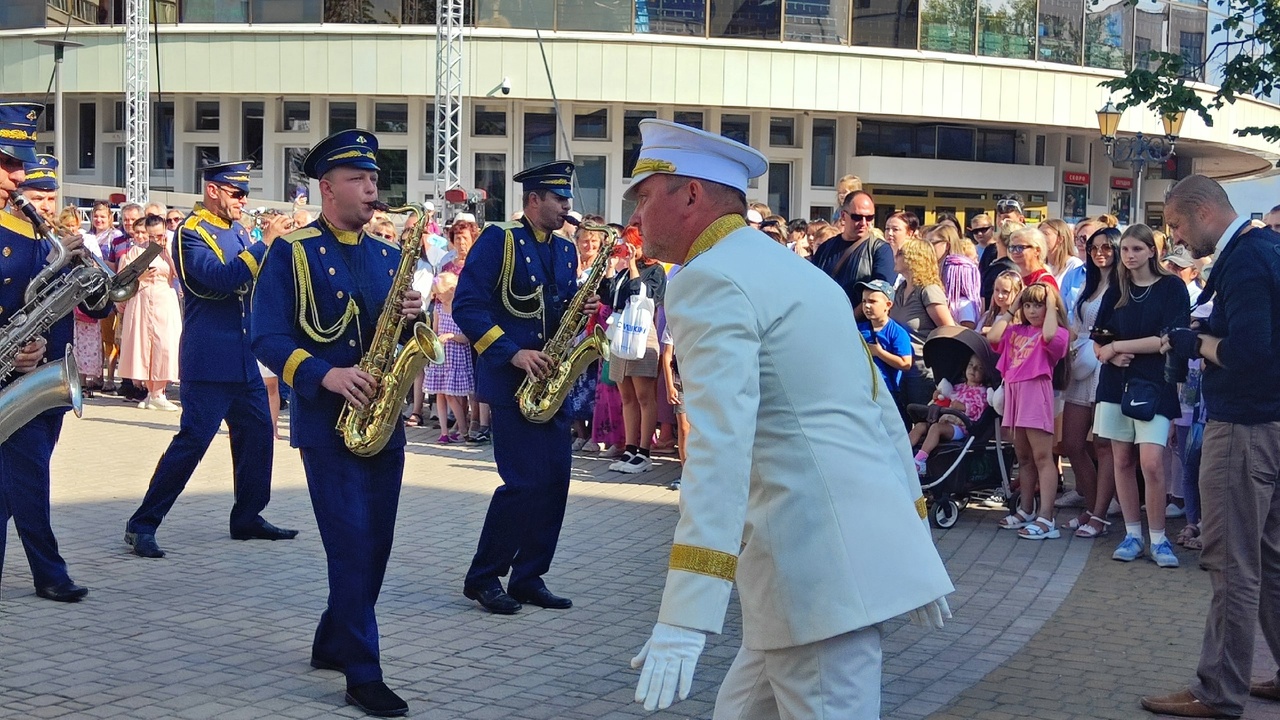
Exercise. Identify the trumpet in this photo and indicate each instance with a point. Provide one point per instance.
(264, 215)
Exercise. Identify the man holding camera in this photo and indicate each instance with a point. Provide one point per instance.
(1240, 462)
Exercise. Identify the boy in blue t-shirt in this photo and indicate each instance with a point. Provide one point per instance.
(889, 342)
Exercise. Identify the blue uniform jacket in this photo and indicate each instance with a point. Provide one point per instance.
(216, 266)
(510, 297)
(316, 307)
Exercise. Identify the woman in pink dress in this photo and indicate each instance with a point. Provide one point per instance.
(152, 324)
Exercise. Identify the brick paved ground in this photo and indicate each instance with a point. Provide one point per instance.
(221, 629)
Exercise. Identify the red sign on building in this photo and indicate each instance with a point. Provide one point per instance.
(1075, 178)
(1122, 183)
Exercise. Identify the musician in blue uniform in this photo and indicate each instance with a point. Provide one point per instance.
(510, 298)
(24, 457)
(217, 265)
(315, 312)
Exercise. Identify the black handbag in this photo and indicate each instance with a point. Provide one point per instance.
(1139, 399)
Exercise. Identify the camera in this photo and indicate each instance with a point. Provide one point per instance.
(505, 86)
(1175, 367)
(1102, 336)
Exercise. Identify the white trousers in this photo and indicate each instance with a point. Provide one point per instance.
(833, 679)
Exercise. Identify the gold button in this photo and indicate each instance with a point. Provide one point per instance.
(384, 253)
(332, 271)
(322, 250)
(7, 252)
(352, 343)
(392, 273)
(528, 259)
(533, 279)
(339, 294)
(539, 336)
(8, 280)
(522, 242)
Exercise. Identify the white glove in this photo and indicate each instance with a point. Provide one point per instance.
(930, 616)
(669, 657)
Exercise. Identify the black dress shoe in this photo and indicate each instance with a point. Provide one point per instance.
(320, 663)
(144, 545)
(543, 598)
(376, 699)
(67, 592)
(495, 601)
(265, 531)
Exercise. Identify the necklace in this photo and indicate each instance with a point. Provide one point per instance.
(1139, 298)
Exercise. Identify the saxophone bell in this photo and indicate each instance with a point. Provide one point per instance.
(50, 386)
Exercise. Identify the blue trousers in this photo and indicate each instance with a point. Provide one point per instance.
(24, 496)
(204, 406)
(355, 501)
(522, 526)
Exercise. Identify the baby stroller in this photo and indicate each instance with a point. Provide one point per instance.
(958, 472)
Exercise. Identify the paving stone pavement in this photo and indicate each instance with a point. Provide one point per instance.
(222, 629)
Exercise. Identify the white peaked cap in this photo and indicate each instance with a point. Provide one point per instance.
(673, 149)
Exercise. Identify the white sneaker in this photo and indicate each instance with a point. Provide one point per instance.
(1070, 499)
(617, 465)
(162, 403)
(997, 499)
(146, 405)
(637, 464)
(1174, 511)
(1114, 508)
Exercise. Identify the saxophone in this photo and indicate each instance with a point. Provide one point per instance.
(365, 431)
(540, 400)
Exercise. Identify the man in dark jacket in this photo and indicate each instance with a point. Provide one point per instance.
(857, 256)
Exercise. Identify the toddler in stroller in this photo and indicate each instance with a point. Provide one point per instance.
(968, 399)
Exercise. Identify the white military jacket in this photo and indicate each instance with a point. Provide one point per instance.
(799, 483)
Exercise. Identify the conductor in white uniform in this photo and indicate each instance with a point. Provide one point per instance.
(799, 483)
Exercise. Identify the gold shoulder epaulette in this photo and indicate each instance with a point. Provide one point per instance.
(16, 224)
(504, 225)
(302, 234)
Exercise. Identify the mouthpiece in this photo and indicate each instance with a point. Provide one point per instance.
(572, 220)
(379, 206)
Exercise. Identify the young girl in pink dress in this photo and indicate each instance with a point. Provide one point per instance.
(1031, 339)
(969, 397)
(454, 379)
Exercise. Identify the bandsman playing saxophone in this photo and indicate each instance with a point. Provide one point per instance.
(511, 296)
(316, 308)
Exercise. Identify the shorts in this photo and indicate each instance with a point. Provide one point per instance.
(1110, 423)
(958, 433)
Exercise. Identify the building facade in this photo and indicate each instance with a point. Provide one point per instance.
(938, 105)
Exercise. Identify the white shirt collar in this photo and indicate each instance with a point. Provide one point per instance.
(1231, 231)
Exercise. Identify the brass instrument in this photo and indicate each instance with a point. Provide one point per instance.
(263, 215)
(540, 400)
(365, 431)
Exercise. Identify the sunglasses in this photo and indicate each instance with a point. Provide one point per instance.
(1019, 249)
(864, 218)
(980, 230)
(173, 220)
(1008, 205)
(1104, 249)
(234, 193)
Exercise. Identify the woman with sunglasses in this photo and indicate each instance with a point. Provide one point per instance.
(1027, 250)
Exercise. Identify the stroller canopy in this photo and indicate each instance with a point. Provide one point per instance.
(948, 349)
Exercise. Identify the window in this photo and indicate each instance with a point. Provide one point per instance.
(671, 17)
(23, 13)
(592, 125)
(539, 138)
(284, 11)
(591, 196)
(491, 176)
(207, 115)
(822, 164)
(393, 176)
(213, 11)
(947, 25)
(1006, 28)
(117, 117)
(1040, 150)
(690, 118)
(391, 118)
(205, 155)
(1073, 150)
(88, 136)
(295, 181)
(342, 116)
(1149, 34)
(162, 136)
(955, 143)
(362, 11)
(818, 21)
(295, 116)
(515, 13)
(251, 129)
(46, 122)
(488, 121)
(888, 23)
(1108, 38)
(782, 132)
(736, 127)
(780, 188)
(997, 146)
(1186, 33)
(597, 16)
(1059, 31)
(754, 19)
(821, 212)
(631, 141)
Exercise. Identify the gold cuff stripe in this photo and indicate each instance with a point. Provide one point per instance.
(483, 343)
(703, 561)
(291, 365)
(249, 260)
(922, 507)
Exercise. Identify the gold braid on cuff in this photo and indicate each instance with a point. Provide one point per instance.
(922, 507)
(703, 561)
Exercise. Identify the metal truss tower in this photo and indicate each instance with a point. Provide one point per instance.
(448, 101)
(137, 100)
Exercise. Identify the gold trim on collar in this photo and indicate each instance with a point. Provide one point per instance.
(204, 214)
(714, 233)
(346, 237)
(18, 225)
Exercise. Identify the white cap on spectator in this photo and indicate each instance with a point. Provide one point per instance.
(754, 216)
(429, 206)
(674, 149)
(464, 218)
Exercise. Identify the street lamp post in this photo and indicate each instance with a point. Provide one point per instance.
(59, 112)
(1139, 151)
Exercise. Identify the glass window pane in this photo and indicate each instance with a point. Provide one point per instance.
(1187, 28)
(491, 176)
(1060, 31)
(782, 132)
(206, 155)
(592, 125)
(391, 118)
(515, 13)
(88, 135)
(214, 11)
(295, 181)
(595, 15)
(295, 116)
(489, 121)
(818, 21)
(207, 115)
(955, 143)
(780, 188)
(948, 25)
(393, 176)
(996, 146)
(342, 116)
(822, 165)
(539, 138)
(736, 127)
(590, 196)
(362, 11)
(1149, 32)
(886, 23)
(162, 136)
(251, 131)
(926, 142)
(286, 11)
(1006, 28)
(1108, 38)
(671, 17)
(23, 13)
(692, 119)
(757, 19)
(631, 140)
